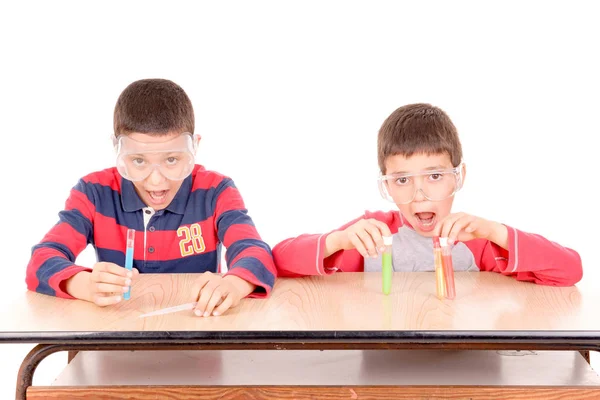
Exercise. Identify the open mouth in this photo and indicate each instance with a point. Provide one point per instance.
(426, 220)
(157, 196)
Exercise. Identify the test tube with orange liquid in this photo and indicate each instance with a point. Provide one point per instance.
(440, 284)
(448, 268)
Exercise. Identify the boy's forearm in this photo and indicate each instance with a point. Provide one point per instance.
(499, 235)
(332, 244)
(78, 285)
(243, 287)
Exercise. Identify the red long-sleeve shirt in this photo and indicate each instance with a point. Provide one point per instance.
(530, 257)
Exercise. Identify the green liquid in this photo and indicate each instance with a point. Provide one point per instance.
(386, 272)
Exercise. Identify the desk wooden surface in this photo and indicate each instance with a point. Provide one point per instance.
(329, 367)
(341, 302)
(338, 374)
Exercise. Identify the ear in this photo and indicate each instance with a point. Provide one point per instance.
(115, 142)
(463, 173)
(196, 142)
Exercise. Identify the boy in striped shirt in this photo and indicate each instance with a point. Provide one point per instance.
(181, 213)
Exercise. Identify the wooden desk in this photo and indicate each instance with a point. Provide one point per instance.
(343, 311)
(214, 374)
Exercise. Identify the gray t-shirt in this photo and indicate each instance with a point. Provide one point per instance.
(413, 252)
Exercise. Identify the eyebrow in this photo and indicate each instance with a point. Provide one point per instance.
(143, 153)
(432, 168)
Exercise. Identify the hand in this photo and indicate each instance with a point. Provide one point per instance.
(366, 236)
(463, 227)
(103, 286)
(223, 292)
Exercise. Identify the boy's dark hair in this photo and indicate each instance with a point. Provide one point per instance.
(153, 106)
(418, 128)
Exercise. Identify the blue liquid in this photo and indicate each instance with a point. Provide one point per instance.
(128, 267)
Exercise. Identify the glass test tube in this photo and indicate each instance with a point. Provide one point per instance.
(386, 266)
(129, 257)
(448, 268)
(440, 285)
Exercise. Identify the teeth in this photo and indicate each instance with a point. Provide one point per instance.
(158, 195)
(426, 221)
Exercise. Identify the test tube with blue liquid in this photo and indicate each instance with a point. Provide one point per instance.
(129, 257)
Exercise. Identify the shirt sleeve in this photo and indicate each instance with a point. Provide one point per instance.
(53, 259)
(248, 256)
(530, 257)
(305, 254)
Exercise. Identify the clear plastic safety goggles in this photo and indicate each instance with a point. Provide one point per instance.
(174, 159)
(435, 185)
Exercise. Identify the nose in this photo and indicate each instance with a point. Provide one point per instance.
(419, 195)
(155, 178)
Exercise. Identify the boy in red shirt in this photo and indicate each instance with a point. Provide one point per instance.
(420, 158)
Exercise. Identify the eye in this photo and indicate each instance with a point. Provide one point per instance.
(172, 160)
(436, 177)
(138, 161)
(402, 180)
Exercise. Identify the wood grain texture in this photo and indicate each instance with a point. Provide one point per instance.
(344, 301)
(310, 393)
(328, 368)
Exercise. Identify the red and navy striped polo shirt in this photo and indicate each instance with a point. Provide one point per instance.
(186, 237)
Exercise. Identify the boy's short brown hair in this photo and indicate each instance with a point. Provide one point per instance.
(418, 128)
(153, 106)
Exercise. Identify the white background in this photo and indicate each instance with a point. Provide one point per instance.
(289, 97)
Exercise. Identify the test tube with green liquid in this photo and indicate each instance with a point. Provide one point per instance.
(386, 265)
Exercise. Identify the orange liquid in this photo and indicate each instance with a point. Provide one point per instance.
(449, 275)
(440, 284)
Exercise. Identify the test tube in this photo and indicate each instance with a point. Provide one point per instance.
(440, 285)
(386, 265)
(129, 257)
(448, 268)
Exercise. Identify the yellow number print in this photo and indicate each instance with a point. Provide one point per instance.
(192, 241)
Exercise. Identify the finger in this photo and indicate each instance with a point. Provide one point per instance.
(215, 299)
(205, 295)
(358, 244)
(376, 236)
(383, 228)
(104, 301)
(472, 227)
(107, 277)
(366, 238)
(459, 226)
(367, 242)
(135, 271)
(447, 224)
(477, 228)
(224, 306)
(113, 269)
(437, 231)
(200, 283)
(110, 288)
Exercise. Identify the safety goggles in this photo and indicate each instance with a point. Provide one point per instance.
(174, 158)
(435, 185)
